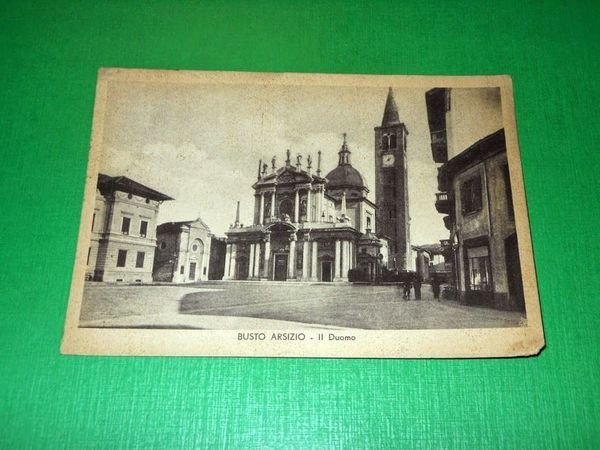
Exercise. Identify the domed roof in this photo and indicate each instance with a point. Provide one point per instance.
(344, 176)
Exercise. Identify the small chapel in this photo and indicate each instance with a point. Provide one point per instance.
(307, 227)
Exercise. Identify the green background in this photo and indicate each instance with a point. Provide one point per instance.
(50, 54)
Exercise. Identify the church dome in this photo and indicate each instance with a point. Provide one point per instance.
(344, 176)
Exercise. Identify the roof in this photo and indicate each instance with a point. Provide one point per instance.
(390, 113)
(432, 249)
(481, 150)
(124, 184)
(177, 225)
(345, 176)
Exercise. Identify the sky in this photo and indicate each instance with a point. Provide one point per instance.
(201, 143)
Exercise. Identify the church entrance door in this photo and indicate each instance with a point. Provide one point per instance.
(192, 271)
(326, 271)
(280, 267)
(242, 269)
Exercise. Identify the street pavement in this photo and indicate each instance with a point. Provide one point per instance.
(222, 305)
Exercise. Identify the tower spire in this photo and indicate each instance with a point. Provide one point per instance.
(344, 153)
(390, 112)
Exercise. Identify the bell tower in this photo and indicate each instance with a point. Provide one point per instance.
(391, 186)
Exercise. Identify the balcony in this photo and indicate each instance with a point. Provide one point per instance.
(442, 203)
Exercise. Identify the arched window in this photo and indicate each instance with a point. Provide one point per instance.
(392, 141)
(368, 221)
(385, 143)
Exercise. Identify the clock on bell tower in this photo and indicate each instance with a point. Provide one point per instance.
(391, 187)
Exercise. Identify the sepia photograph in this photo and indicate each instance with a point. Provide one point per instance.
(245, 214)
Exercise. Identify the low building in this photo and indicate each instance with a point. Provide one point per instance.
(183, 252)
(306, 227)
(123, 238)
(434, 262)
(475, 195)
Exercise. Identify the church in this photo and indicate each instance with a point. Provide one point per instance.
(309, 227)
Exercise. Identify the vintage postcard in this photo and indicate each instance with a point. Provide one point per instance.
(303, 215)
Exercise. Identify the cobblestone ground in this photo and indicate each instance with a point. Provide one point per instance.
(339, 305)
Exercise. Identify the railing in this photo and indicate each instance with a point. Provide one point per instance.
(441, 197)
(442, 203)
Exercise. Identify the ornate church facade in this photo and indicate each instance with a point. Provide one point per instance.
(306, 227)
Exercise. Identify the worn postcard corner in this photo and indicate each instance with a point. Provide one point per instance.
(303, 215)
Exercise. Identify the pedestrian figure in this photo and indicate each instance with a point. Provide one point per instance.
(435, 287)
(417, 285)
(407, 286)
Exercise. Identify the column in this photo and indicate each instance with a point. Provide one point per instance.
(267, 257)
(351, 259)
(308, 207)
(337, 261)
(272, 204)
(226, 275)
(305, 246)
(344, 264)
(321, 205)
(232, 264)
(297, 206)
(292, 258)
(256, 273)
(261, 210)
(251, 262)
(313, 266)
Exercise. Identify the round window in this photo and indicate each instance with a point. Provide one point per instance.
(195, 247)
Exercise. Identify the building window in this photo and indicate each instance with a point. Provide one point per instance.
(392, 141)
(470, 195)
(478, 269)
(368, 221)
(121, 258)
(182, 270)
(286, 207)
(143, 228)
(385, 142)
(125, 225)
(139, 262)
(508, 190)
(93, 221)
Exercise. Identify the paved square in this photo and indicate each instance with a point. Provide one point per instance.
(272, 305)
